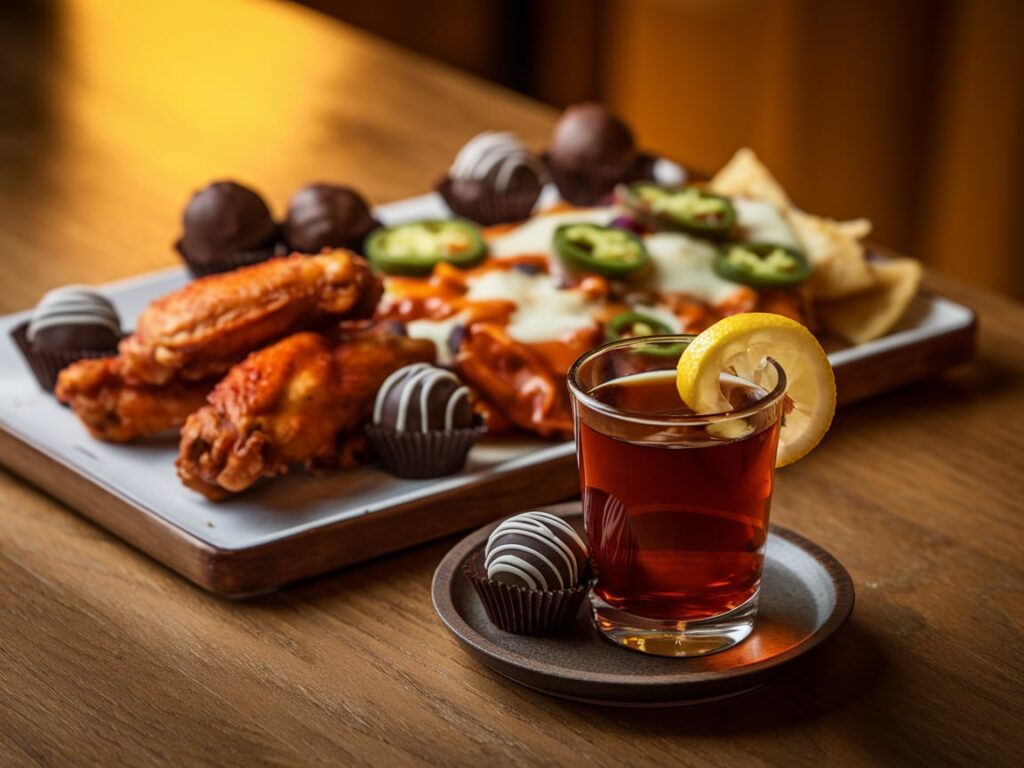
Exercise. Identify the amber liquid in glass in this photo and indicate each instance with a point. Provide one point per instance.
(676, 532)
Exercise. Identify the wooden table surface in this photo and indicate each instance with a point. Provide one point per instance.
(113, 113)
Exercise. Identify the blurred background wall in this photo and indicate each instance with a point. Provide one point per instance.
(910, 112)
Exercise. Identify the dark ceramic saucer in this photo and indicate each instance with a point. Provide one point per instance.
(806, 596)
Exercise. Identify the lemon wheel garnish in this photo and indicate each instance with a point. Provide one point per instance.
(739, 345)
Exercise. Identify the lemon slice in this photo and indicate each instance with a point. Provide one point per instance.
(739, 345)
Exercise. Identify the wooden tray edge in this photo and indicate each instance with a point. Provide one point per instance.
(170, 545)
(897, 367)
(259, 569)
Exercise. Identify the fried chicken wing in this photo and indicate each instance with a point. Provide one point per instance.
(117, 410)
(302, 400)
(212, 323)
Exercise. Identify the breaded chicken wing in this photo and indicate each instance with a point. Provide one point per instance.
(300, 401)
(116, 410)
(212, 323)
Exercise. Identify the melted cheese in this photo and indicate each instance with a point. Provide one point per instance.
(762, 222)
(544, 313)
(437, 331)
(535, 235)
(683, 264)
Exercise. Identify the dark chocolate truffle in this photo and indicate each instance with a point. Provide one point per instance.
(67, 325)
(422, 398)
(588, 135)
(327, 216)
(499, 161)
(536, 550)
(423, 423)
(493, 179)
(74, 318)
(222, 221)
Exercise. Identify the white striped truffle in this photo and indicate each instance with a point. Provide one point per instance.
(74, 315)
(536, 550)
(498, 158)
(422, 397)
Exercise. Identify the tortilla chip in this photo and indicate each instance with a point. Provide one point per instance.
(873, 313)
(853, 298)
(855, 229)
(746, 176)
(839, 265)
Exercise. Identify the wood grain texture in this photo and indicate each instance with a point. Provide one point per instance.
(108, 658)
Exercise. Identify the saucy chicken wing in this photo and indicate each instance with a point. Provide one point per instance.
(116, 410)
(515, 381)
(213, 322)
(297, 402)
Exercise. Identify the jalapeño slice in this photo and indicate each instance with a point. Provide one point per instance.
(414, 248)
(657, 350)
(762, 265)
(607, 251)
(688, 209)
(629, 325)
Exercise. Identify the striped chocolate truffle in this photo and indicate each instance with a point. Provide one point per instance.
(499, 160)
(422, 398)
(536, 550)
(74, 317)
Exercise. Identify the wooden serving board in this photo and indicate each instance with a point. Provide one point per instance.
(263, 567)
(300, 526)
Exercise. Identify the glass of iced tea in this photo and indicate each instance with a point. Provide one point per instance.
(675, 502)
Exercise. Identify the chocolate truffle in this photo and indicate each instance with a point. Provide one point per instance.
(423, 398)
(500, 161)
(536, 550)
(531, 575)
(67, 325)
(493, 179)
(588, 135)
(327, 216)
(74, 318)
(226, 226)
(423, 422)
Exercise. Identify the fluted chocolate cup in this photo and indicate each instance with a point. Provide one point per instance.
(226, 262)
(523, 611)
(487, 206)
(47, 364)
(593, 184)
(419, 455)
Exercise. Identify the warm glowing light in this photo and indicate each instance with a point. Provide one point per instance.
(182, 76)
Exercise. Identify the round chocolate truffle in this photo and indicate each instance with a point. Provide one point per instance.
(496, 160)
(423, 398)
(536, 550)
(493, 179)
(74, 318)
(327, 216)
(588, 135)
(224, 219)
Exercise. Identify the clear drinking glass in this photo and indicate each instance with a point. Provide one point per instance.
(675, 503)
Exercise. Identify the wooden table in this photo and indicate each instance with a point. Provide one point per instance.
(114, 112)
